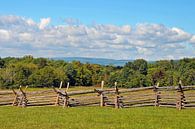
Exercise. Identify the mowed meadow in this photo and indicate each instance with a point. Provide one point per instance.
(51, 117)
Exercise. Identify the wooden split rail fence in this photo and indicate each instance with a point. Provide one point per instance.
(177, 97)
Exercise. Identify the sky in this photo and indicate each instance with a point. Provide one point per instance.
(125, 29)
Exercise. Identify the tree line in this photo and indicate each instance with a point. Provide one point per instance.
(43, 72)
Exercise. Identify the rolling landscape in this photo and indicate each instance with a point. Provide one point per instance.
(82, 64)
(101, 61)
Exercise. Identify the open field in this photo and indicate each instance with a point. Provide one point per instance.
(95, 118)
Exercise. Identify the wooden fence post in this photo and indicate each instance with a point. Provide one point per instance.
(117, 97)
(16, 98)
(24, 100)
(67, 87)
(157, 95)
(66, 97)
(101, 94)
(102, 103)
(181, 97)
(58, 95)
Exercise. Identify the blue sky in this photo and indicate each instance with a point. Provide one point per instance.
(167, 14)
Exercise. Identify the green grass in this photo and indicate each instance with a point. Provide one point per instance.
(71, 88)
(95, 118)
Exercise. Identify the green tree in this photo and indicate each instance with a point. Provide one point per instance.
(6, 78)
(22, 72)
(156, 75)
(84, 77)
(42, 78)
(71, 73)
(2, 63)
(40, 62)
(140, 65)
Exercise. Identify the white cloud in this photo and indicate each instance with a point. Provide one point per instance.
(149, 41)
(4, 35)
(192, 40)
(44, 22)
(25, 37)
(30, 22)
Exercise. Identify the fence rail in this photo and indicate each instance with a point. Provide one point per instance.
(179, 97)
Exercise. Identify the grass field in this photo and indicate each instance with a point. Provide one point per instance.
(95, 118)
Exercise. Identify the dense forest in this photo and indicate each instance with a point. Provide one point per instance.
(42, 72)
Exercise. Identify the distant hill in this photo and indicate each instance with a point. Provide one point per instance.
(101, 61)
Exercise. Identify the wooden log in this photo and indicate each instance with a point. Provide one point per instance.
(190, 95)
(6, 93)
(5, 103)
(42, 99)
(138, 99)
(188, 88)
(37, 96)
(136, 89)
(189, 101)
(80, 92)
(9, 95)
(189, 105)
(139, 105)
(168, 97)
(168, 88)
(40, 92)
(170, 106)
(167, 103)
(7, 100)
(94, 96)
(40, 104)
(138, 102)
(90, 104)
(173, 88)
(169, 100)
(138, 96)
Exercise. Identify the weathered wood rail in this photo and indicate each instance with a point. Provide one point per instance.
(179, 97)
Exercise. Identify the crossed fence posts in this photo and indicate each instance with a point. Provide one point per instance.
(180, 99)
(63, 97)
(20, 98)
(103, 98)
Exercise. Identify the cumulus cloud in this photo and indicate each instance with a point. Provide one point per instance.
(149, 41)
(44, 22)
(192, 40)
(25, 37)
(4, 35)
